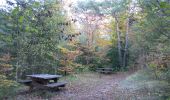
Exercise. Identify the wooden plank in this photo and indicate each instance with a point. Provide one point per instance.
(104, 68)
(25, 82)
(44, 76)
(105, 71)
(58, 84)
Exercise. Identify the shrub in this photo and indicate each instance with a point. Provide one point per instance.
(7, 87)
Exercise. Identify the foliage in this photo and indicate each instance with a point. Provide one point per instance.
(91, 59)
(147, 82)
(33, 32)
(151, 43)
(29, 36)
(113, 55)
(36, 37)
(7, 87)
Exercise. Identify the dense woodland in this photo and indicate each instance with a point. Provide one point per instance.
(70, 38)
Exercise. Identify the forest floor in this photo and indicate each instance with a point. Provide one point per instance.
(88, 86)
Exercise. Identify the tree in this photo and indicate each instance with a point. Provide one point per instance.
(152, 44)
(116, 10)
(33, 32)
(89, 20)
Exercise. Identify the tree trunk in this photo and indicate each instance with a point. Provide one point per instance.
(126, 39)
(18, 46)
(119, 41)
(126, 43)
(16, 73)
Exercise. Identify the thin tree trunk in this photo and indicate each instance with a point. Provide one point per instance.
(126, 43)
(126, 37)
(119, 41)
(16, 73)
(18, 46)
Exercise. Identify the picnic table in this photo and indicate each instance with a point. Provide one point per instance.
(42, 81)
(105, 70)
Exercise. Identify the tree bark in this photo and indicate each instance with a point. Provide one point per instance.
(118, 41)
(126, 38)
(126, 43)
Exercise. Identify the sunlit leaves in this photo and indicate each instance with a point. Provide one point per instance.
(21, 18)
(36, 4)
(164, 5)
(15, 11)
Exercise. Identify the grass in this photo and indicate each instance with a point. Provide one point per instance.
(73, 80)
(145, 83)
(91, 86)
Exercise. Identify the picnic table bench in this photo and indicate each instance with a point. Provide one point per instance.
(25, 82)
(105, 70)
(43, 81)
(58, 84)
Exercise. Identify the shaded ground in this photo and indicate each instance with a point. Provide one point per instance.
(92, 87)
(88, 86)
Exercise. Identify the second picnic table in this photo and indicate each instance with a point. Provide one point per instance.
(43, 81)
(105, 70)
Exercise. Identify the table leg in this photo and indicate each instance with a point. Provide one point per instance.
(56, 80)
(31, 88)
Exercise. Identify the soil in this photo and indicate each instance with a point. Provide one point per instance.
(88, 86)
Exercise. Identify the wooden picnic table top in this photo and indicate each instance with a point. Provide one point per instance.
(44, 76)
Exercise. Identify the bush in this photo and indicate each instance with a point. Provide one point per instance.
(113, 56)
(156, 86)
(7, 87)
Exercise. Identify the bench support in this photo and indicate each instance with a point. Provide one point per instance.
(56, 85)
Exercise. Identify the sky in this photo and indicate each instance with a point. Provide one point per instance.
(2, 2)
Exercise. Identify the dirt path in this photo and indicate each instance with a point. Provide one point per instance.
(93, 87)
(87, 86)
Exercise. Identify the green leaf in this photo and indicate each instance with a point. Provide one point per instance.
(15, 11)
(21, 18)
(164, 5)
(36, 4)
(27, 28)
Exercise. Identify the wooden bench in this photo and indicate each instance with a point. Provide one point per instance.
(105, 70)
(56, 85)
(25, 82)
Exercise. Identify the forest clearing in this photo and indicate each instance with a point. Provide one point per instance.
(84, 49)
(89, 86)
